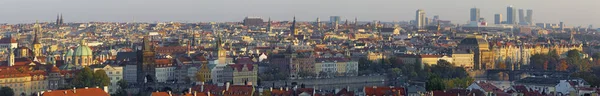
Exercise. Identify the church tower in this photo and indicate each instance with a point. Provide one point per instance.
(146, 68)
(269, 25)
(221, 52)
(11, 57)
(37, 46)
(293, 28)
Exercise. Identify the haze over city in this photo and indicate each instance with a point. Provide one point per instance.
(572, 12)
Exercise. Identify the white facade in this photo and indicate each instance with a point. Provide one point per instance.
(163, 74)
(115, 73)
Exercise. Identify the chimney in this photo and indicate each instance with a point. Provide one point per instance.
(208, 93)
(227, 86)
(249, 83)
(105, 89)
(86, 87)
(271, 89)
(38, 93)
(170, 93)
(74, 90)
(194, 93)
(190, 91)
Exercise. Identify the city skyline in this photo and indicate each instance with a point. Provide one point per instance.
(306, 10)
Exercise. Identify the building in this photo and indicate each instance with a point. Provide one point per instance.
(335, 67)
(511, 15)
(245, 71)
(420, 19)
(475, 14)
(24, 81)
(165, 70)
(529, 17)
(522, 17)
(335, 20)
(115, 73)
(82, 55)
(253, 21)
(8, 43)
(498, 19)
(130, 73)
(433, 59)
(146, 66)
(463, 58)
(483, 56)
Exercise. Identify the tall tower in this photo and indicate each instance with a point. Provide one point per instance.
(475, 14)
(511, 15)
(61, 19)
(420, 19)
(522, 17)
(318, 23)
(221, 52)
(529, 16)
(146, 68)
(498, 19)
(37, 46)
(269, 25)
(293, 28)
(11, 57)
(57, 20)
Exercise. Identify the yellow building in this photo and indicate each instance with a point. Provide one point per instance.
(463, 58)
(23, 81)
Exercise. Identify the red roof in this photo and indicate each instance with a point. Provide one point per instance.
(77, 92)
(384, 90)
(7, 40)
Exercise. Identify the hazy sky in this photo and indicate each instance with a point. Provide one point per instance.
(572, 12)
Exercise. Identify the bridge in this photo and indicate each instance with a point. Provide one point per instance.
(512, 75)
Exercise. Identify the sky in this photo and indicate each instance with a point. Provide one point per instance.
(572, 12)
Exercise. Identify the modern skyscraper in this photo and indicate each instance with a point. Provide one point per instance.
(529, 17)
(511, 15)
(498, 19)
(474, 14)
(420, 19)
(522, 17)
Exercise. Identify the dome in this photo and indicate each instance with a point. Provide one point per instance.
(69, 52)
(55, 69)
(472, 41)
(82, 51)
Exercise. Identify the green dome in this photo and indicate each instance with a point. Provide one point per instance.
(69, 52)
(82, 51)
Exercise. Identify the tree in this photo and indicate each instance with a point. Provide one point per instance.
(84, 78)
(6, 91)
(435, 83)
(562, 66)
(101, 79)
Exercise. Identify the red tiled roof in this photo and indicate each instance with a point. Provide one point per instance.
(381, 91)
(77, 92)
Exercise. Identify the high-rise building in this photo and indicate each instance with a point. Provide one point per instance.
(420, 19)
(334, 20)
(529, 16)
(521, 17)
(498, 19)
(474, 14)
(511, 15)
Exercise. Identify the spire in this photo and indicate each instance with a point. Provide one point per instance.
(36, 29)
(269, 25)
(61, 19)
(293, 28)
(58, 19)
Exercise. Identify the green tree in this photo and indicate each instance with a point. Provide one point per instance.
(6, 91)
(85, 78)
(122, 84)
(435, 83)
(100, 78)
